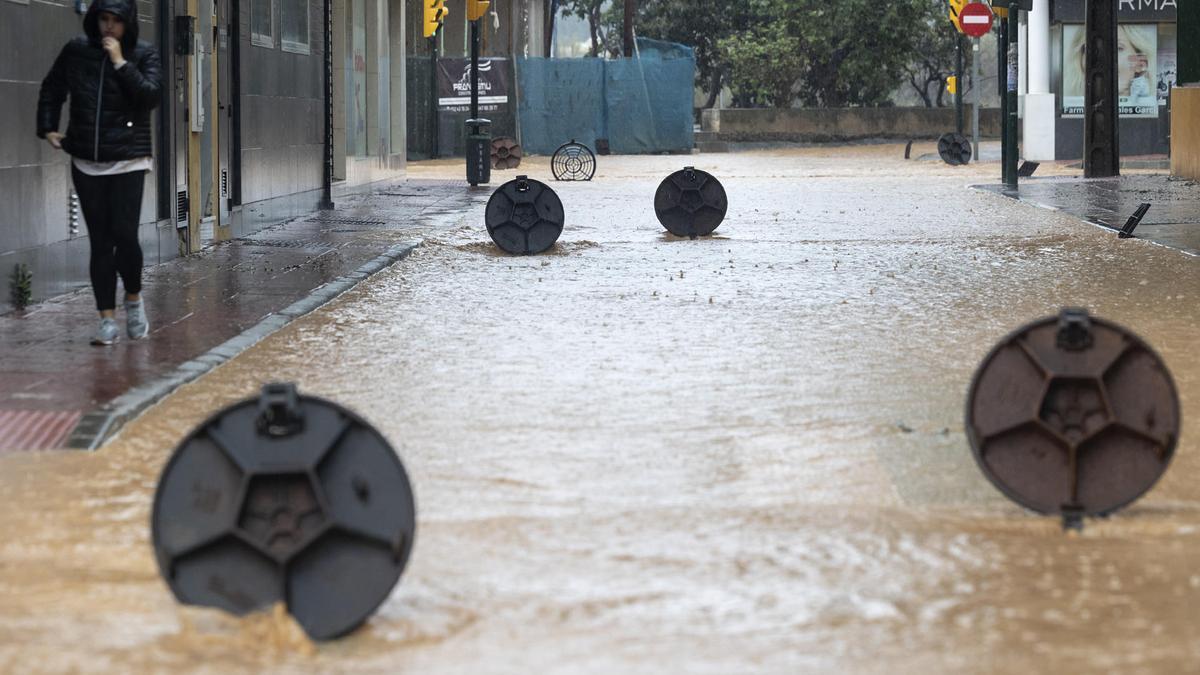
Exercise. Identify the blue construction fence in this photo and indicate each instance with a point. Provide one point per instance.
(640, 105)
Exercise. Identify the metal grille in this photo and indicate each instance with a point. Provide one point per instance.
(282, 243)
(181, 206)
(347, 221)
(224, 182)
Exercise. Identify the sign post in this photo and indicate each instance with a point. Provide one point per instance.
(1011, 158)
(956, 9)
(479, 142)
(434, 15)
(958, 78)
(978, 101)
(976, 20)
(433, 98)
(1008, 9)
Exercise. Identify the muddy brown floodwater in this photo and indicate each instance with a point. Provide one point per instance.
(637, 454)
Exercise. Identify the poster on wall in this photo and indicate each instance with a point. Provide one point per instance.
(454, 85)
(1168, 61)
(1137, 70)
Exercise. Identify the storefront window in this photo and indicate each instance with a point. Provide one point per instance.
(262, 23)
(1137, 69)
(1168, 60)
(293, 21)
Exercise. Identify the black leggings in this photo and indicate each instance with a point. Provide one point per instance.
(112, 207)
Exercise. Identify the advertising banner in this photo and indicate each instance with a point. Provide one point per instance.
(1137, 70)
(1072, 11)
(1168, 61)
(454, 85)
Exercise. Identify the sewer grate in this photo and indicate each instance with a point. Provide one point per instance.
(283, 243)
(347, 221)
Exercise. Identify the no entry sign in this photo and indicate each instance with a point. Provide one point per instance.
(976, 19)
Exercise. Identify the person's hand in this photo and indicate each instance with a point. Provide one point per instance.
(55, 139)
(113, 47)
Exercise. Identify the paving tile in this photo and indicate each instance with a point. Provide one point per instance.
(194, 303)
(1173, 219)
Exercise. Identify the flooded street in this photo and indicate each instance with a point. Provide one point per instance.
(643, 454)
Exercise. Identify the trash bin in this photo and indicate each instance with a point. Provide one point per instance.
(479, 151)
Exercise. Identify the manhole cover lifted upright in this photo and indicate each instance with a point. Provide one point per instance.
(506, 153)
(690, 203)
(285, 498)
(1073, 415)
(954, 149)
(524, 216)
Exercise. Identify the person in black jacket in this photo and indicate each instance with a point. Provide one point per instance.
(113, 81)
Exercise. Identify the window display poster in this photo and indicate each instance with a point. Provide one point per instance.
(1168, 61)
(1137, 69)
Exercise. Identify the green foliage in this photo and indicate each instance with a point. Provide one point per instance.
(700, 24)
(764, 63)
(598, 28)
(934, 55)
(837, 52)
(21, 285)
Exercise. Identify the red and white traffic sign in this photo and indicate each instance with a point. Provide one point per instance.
(976, 19)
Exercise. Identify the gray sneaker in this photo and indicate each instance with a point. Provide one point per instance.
(135, 319)
(106, 334)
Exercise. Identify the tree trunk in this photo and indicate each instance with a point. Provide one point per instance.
(594, 28)
(714, 89)
(627, 33)
(922, 91)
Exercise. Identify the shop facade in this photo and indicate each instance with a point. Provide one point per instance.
(1147, 68)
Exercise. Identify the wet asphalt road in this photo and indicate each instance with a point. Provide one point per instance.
(644, 454)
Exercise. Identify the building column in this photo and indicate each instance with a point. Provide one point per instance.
(378, 120)
(1189, 50)
(397, 90)
(1185, 98)
(338, 35)
(1040, 114)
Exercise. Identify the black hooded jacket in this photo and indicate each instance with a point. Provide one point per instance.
(109, 117)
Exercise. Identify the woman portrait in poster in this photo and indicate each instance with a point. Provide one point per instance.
(1136, 51)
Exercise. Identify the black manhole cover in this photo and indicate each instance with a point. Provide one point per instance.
(1074, 415)
(954, 149)
(285, 498)
(573, 161)
(690, 203)
(524, 216)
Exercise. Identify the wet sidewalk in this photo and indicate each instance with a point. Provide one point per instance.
(57, 391)
(1173, 219)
